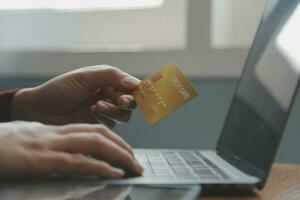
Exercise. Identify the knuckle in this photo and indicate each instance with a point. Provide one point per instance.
(76, 160)
(33, 127)
(105, 129)
(78, 156)
(113, 70)
(96, 139)
(101, 128)
(35, 145)
(80, 75)
(38, 124)
(68, 127)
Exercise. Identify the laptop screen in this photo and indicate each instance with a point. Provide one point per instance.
(264, 95)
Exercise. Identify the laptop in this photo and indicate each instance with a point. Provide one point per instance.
(255, 121)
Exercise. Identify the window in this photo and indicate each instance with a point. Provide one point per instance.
(78, 4)
(234, 22)
(153, 25)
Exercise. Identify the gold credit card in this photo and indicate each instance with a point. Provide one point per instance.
(163, 92)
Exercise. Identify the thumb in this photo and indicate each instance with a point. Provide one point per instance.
(95, 77)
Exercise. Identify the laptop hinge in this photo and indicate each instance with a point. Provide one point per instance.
(243, 165)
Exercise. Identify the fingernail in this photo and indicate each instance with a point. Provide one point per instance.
(125, 102)
(130, 81)
(119, 172)
(139, 168)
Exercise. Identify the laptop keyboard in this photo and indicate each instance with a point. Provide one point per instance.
(181, 165)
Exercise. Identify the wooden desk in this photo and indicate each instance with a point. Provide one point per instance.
(283, 184)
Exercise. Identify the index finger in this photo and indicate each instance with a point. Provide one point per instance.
(99, 147)
(95, 77)
(100, 129)
(74, 164)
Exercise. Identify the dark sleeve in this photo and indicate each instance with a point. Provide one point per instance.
(6, 98)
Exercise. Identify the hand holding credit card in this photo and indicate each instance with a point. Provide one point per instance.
(163, 92)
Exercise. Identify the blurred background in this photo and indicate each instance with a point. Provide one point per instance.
(208, 39)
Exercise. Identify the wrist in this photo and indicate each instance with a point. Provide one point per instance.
(6, 99)
(24, 105)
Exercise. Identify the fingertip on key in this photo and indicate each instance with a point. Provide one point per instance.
(139, 168)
